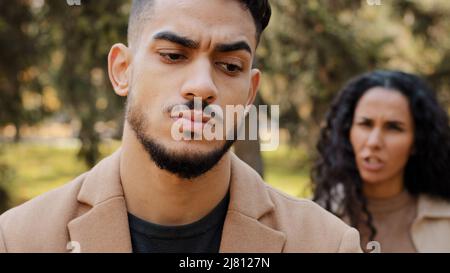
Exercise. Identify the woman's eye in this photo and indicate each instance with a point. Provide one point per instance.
(230, 68)
(173, 57)
(395, 128)
(365, 124)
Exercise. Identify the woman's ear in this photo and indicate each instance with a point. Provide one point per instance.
(118, 68)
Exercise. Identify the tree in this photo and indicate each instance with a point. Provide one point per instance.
(85, 34)
(312, 47)
(20, 52)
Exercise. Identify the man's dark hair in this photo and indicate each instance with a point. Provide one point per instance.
(141, 9)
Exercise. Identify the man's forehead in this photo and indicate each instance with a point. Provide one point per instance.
(220, 20)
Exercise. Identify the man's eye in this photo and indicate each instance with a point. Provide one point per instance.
(230, 68)
(172, 57)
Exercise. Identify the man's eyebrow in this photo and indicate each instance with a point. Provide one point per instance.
(241, 45)
(177, 39)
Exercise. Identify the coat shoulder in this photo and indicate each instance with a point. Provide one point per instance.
(303, 207)
(23, 226)
(309, 226)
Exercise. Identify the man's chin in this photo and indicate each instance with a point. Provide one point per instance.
(197, 147)
(187, 159)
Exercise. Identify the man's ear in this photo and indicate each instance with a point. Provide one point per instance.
(254, 85)
(119, 59)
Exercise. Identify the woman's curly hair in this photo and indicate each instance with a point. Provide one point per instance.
(336, 181)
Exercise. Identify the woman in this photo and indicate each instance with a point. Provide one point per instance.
(384, 163)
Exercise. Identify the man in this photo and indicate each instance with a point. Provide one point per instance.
(158, 194)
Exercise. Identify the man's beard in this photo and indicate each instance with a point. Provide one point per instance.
(186, 166)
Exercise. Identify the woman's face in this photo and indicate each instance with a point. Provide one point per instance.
(382, 136)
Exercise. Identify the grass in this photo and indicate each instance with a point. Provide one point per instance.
(38, 168)
(285, 170)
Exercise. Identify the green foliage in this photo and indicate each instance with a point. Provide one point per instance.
(86, 33)
(53, 165)
(312, 47)
(20, 55)
(7, 175)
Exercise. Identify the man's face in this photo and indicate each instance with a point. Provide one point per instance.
(187, 49)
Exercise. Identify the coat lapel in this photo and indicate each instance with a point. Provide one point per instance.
(103, 225)
(103, 229)
(249, 202)
(243, 234)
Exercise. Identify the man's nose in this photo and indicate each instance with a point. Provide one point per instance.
(200, 83)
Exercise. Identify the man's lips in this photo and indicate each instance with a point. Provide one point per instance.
(191, 120)
(192, 115)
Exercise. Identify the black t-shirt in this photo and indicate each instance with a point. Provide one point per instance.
(203, 236)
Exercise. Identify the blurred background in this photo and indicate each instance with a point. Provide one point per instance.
(59, 115)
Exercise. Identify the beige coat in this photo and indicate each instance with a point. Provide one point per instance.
(90, 212)
(430, 230)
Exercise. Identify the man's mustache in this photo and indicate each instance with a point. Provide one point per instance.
(189, 104)
(208, 109)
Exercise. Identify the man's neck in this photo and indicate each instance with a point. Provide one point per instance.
(163, 198)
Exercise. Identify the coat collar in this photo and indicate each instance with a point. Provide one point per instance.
(103, 226)
(428, 234)
(431, 207)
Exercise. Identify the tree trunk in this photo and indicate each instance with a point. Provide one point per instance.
(90, 141)
(17, 136)
(249, 150)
